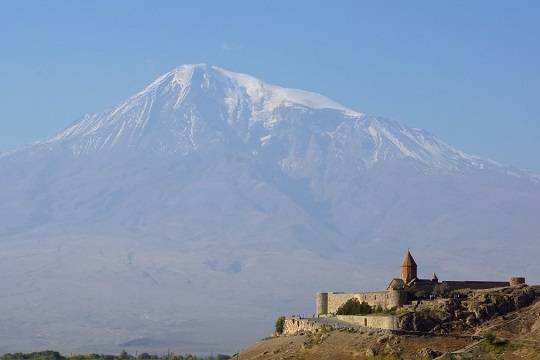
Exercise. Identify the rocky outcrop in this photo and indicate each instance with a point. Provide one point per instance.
(420, 321)
(487, 305)
(468, 309)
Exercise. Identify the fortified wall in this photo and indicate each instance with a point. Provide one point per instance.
(329, 302)
(475, 285)
(294, 325)
(384, 322)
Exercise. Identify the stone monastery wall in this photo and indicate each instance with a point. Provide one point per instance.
(294, 325)
(386, 322)
(329, 303)
(475, 285)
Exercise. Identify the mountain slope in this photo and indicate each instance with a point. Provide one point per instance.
(189, 200)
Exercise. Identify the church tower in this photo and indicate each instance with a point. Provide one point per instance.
(408, 268)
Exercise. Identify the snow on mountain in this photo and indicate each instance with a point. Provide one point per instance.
(172, 115)
(171, 92)
(213, 197)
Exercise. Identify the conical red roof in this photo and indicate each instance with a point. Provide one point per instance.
(408, 260)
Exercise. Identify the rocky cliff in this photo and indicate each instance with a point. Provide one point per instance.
(467, 309)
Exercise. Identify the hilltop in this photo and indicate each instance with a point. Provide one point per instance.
(504, 335)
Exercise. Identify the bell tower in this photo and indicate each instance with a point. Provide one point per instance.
(408, 268)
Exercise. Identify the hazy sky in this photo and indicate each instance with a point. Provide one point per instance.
(467, 71)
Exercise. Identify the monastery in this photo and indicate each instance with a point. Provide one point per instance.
(402, 291)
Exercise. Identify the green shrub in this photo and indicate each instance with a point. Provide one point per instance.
(492, 344)
(354, 307)
(42, 355)
(442, 290)
(391, 311)
(280, 324)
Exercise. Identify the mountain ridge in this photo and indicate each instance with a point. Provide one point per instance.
(262, 100)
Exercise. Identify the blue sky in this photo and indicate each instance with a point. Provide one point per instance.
(467, 71)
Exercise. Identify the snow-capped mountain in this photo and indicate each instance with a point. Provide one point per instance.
(212, 196)
(194, 106)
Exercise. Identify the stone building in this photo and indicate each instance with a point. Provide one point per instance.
(401, 291)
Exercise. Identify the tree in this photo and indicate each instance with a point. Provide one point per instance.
(354, 307)
(442, 290)
(280, 324)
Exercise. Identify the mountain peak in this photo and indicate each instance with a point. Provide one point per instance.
(181, 75)
(258, 91)
(198, 107)
(178, 101)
